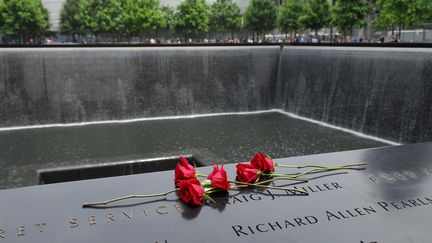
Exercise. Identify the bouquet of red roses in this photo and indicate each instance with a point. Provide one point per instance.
(258, 173)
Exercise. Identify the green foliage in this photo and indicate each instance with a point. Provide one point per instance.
(126, 17)
(169, 15)
(402, 13)
(23, 18)
(117, 13)
(348, 14)
(129, 17)
(2, 9)
(192, 18)
(107, 14)
(316, 15)
(225, 16)
(290, 16)
(428, 12)
(145, 16)
(87, 15)
(261, 16)
(69, 25)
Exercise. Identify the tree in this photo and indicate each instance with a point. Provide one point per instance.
(118, 13)
(24, 19)
(169, 16)
(107, 15)
(127, 18)
(225, 16)
(69, 25)
(348, 14)
(401, 13)
(261, 16)
(88, 16)
(150, 17)
(427, 18)
(120, 17)
(290, 14)
(112, 17)
(316, 15)
(428, 12)
(138, 17)
(192, 18)
(2, 9)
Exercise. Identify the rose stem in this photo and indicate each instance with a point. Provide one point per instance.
(280, 177)
(313, 166)
(283, 177)
(128, 197)
(200, 174)
(327, 169)
(270, 187)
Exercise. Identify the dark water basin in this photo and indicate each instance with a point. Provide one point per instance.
(212, 139)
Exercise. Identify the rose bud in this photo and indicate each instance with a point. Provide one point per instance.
(219, 179)
(183, 171)
(246, 173)
(263, 163)
(191, 191)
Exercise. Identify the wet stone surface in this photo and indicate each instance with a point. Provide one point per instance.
(388, 201)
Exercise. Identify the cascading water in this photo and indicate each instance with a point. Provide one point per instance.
(381, 92)
(43, 86)
(377, 91)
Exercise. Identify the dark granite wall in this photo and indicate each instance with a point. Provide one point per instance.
(40, 86)
(385, 92)
(377, 91)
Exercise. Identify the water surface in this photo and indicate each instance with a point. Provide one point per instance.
(214, 139)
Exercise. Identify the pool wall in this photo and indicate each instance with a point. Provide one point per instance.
(384, 92)
(43, 86)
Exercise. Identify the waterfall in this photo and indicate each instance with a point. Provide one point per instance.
(383, 92)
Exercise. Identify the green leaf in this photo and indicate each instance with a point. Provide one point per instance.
(224, 16)
(261, 16)
(290, 15)
(23, 19)
(192, 18)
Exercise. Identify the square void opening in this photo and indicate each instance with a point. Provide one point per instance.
(86, 172)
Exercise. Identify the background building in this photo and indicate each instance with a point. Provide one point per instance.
(54, 8)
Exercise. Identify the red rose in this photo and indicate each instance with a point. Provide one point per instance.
(191, 191)
(183, 171)
(219, 179)
(246, 173)
(263, 163)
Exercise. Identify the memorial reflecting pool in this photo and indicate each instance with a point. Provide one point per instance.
(212, 139)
